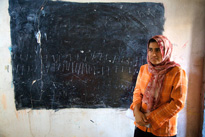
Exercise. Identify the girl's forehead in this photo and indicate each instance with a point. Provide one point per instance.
(153, 45)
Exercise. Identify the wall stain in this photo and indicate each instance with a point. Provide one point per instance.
(3, 101)
(29, 117)
(7, 68)
(17, 114)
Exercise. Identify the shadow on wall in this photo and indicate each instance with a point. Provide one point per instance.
(195, 95)
(203, 102)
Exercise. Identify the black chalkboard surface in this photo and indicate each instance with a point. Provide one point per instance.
(79, 55)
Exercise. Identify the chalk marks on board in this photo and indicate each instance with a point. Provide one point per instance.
(84, 55)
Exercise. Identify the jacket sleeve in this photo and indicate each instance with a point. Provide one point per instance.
(178, 96)
(137, 96)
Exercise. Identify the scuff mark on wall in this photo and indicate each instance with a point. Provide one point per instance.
(184, 46)
(43, 120)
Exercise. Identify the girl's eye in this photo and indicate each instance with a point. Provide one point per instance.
(157, 50)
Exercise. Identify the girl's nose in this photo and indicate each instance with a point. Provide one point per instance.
(154, 54)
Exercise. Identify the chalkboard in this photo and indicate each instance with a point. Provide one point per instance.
(79, 55)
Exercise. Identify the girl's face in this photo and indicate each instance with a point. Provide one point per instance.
(154, 53)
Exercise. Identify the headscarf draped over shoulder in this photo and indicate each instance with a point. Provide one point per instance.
(154, 87)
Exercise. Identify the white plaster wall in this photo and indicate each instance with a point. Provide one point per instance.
(184, 26)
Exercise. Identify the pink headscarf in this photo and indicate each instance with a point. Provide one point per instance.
(154, 88)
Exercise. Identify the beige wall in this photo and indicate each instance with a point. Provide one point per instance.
(185, 20)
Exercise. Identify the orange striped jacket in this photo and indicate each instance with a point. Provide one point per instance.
(163, 119)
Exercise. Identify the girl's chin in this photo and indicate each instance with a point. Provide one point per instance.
(155, 63)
